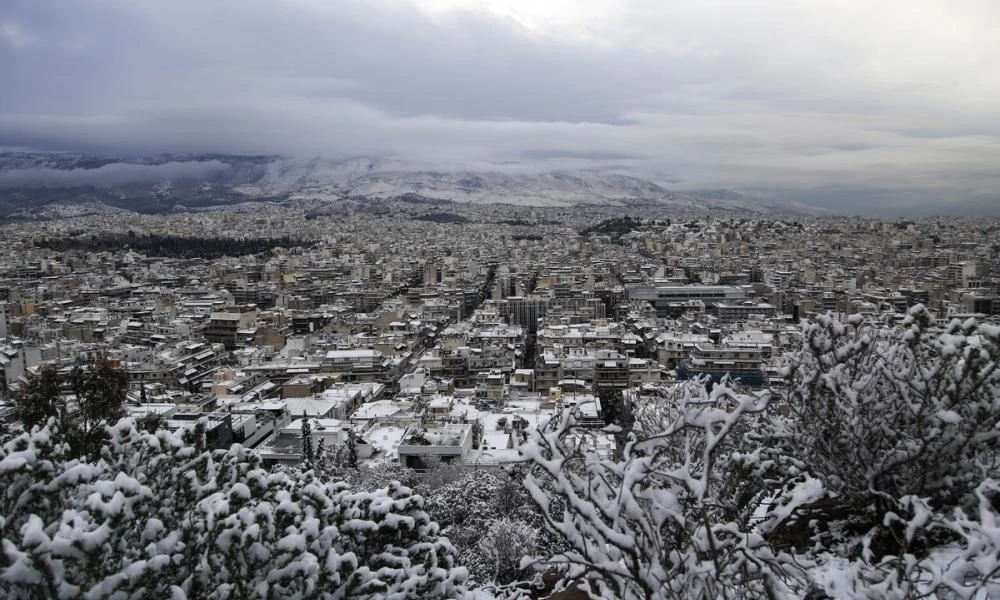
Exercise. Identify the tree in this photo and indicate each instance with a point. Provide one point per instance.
(352, 450)
(617, 412)
(881, 414)
(505, 542)
(97, 399)
(156, 517)
(649, 525)
(150, 422)
(469, 507)
(308, 456)
(101, 392)
(477, 434)
(322, 454)
(40, 399)
(898, 427)
(439, 472)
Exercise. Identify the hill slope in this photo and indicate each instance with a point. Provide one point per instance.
(31, 181)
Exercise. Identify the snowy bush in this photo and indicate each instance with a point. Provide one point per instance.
(492, 523)
(158, 517)
(880, 414)
(504, 543)
(649, 525)
(899, 428)
(965, 564)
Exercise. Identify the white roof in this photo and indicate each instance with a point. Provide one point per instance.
(311, 406)
(347, 354)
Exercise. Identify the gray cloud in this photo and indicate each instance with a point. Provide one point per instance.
(111, 174)
(896, 102)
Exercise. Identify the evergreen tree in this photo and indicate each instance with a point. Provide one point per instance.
(308, 456)
(40, 399)
(158, 518)
(352, 450)
(477, 434)
(94, 398)
(100, 393)
(321, 452)
(150, 422)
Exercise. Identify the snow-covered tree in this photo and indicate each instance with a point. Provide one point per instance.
(158, 517)
(899, 430)
(963, 561)
(439, 473)
(504, 543)
(649, 525)
(883, 413)
(351, 449)
(473, 505)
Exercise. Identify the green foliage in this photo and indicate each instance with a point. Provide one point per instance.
(83, 401)
(172, 246)
(40, 399)
(308, 456)
(615, 227)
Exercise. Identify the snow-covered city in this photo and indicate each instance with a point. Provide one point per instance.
(512, 300)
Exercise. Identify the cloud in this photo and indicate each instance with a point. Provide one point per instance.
(111, 174)
(819, 100)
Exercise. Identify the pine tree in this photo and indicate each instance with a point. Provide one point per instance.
(352, 450)
(40, 399)
(308, 456)
(477, 434)
(98, 400)
(164, 520)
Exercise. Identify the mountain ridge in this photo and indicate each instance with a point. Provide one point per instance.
(171, 182)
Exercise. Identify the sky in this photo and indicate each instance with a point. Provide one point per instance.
(861, 106)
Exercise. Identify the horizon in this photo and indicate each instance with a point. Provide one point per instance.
(887, 109)
(126, 169)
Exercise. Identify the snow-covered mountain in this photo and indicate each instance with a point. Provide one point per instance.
(376, 178)
(724, 199)
(172, 182)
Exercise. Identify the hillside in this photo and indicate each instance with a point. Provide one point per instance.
(34, 185)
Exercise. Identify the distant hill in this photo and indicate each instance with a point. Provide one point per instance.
(724, 199)
(37, 185)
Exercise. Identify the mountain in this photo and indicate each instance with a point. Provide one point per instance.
(725, 199)
(375, 178)
(42, 185)
(31, 181)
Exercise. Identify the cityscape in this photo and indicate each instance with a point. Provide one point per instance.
(388, 325)
(431, 340)
(506, 300)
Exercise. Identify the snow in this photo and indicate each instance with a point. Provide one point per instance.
(240, 490)
(949, 416)
(905, 415)
(96, 533)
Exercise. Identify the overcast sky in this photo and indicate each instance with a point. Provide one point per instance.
(867, 105)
